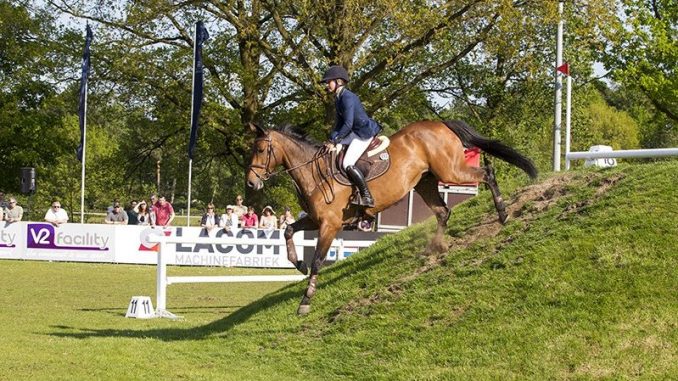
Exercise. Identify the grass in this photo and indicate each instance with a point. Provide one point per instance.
(580, 284)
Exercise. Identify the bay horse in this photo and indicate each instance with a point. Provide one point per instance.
(422, 154)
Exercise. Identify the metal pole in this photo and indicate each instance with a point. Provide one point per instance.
(558, 96)
(190, 175)
(84, 160)
(161, 281)
(621, 154)
(190, 121)
(568, 108)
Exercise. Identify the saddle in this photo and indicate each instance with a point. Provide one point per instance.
(374, 162)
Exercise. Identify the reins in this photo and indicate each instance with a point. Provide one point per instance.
(327, 190)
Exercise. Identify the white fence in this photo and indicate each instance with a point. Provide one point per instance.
(162, 280)
(657, 152)
(620, 154)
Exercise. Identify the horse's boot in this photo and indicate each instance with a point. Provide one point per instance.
(358, 180)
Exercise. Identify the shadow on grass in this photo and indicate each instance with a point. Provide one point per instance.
(331, 275)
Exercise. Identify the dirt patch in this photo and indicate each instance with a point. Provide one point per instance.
(525, 205)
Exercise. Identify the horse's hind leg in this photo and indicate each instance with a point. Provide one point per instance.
(428, 190)
(491, 182)
(462, 174)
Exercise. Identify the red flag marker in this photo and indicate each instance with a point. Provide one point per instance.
(564, 68)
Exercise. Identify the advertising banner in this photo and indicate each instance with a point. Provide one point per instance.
(131, 244)
(12, 240)
(69, 242)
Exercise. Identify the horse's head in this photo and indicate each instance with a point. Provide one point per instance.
(264, 158)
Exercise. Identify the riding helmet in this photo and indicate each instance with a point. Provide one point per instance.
(335, 72)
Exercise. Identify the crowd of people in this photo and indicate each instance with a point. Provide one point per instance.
(241, 216)
(159, 212)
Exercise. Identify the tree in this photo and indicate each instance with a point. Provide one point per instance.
(646, 53)
(33, 54)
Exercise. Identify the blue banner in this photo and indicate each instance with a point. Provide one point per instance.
(200, 36)
(83, 90)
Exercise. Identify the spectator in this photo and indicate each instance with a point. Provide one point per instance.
(153, 206)
(209, 220)
(249, 219)
(132, 213)
(268, 220)
(164, 212)
(2, 214)
(144, 216)
(239, 209)
(55, 215)
(286, 218)
(14, 212)
(112, 206)
(117, 216)
(229, 220)
(154, 201)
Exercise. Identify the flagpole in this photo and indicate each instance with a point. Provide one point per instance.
(82, 113)
(568, 107)
(190, 160)
(559, 86)
(84, 151)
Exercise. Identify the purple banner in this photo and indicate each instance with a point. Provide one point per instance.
(45, 236)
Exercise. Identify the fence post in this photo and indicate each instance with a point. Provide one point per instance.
(161, 281)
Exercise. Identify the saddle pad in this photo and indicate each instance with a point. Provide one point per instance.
(371, 167)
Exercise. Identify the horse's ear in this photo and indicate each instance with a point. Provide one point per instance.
(256, 129)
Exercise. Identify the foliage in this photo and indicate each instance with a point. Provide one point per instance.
(579, 285)
(490, 63)
(642, 59)
(647, 52)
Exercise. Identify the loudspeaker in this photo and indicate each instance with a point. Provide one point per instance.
(27, 180)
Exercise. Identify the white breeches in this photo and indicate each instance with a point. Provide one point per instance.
(357, 146)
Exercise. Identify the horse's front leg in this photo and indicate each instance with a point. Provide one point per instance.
(325, 237)
(303, 224)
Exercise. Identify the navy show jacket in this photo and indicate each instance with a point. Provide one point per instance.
(351, 117)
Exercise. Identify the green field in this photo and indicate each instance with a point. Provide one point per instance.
(582, 283)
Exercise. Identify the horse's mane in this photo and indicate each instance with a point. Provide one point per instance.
(297, 134)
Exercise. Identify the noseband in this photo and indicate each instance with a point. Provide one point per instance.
(269, 153)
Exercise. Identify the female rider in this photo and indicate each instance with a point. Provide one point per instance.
(353, 127)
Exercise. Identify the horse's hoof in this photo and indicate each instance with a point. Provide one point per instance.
(303, 309)
(503, 219)
(302, 267)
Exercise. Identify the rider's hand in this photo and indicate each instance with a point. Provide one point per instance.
(329, 146)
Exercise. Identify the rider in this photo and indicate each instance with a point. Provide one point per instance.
(353, 127)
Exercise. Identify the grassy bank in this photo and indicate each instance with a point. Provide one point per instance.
(580, 284)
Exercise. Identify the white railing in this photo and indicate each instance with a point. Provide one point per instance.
(162, 280)
(656, 152)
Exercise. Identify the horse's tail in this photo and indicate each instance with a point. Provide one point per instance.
(471, 137)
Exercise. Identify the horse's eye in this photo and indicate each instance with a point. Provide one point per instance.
(260, 150)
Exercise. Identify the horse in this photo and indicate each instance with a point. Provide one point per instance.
(422, 154)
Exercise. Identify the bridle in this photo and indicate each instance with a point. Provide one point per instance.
(270, 153)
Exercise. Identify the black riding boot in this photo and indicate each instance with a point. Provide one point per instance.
(358, 180)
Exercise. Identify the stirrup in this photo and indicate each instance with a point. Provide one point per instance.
(360, 201)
